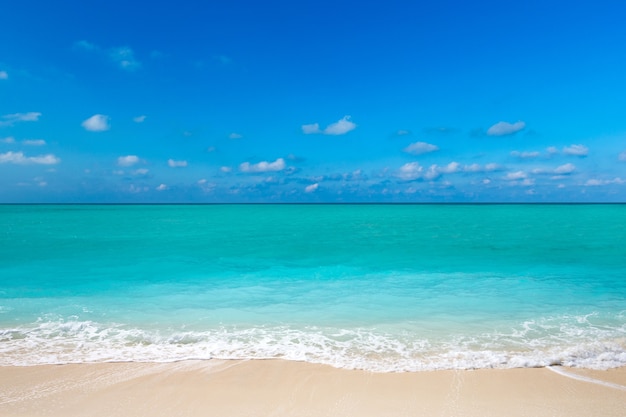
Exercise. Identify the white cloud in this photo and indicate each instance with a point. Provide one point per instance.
(9, 139)
(235, 136)
(403, 132)
(263, 166)
(486, 181)
(140, 119)
(410, 171)
(124, 57)
(596, 182)
(565, 169)
(419, 148)
(552, 150)
(161, 187)
(517, 175)
(96, 123)
(311, 188)
(128, 160)
(311, 129)
(137, 189)
(492, 167)
(576, 150)
(34, 142)
(4, 75)
(434, 171)
(505, 128)
(176, 164)
(11, 119)
(622, 156)
(21, 159)
(451, 168)
(140, 171)
(226, 169)
(340, 127)
(525, 155)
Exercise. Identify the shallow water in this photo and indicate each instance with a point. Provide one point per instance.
(379, 287)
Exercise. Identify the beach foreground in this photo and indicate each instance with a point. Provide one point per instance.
(286, 388)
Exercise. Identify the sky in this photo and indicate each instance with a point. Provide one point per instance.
(312, 101)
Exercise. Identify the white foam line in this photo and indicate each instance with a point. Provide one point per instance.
(561, 372)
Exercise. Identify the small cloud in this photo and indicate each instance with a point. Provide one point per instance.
(161, 187)
(517, 175)
(124, 57)
(505, 128)
(176, 164)
(140, 171)
(596, 182)
(622, 156)
(419, 148)
(9, 139)
(576, 150)
(311, 188)
(34, 142)
(211, 149)
(235, 136)
(140, 119)
(410, 171)
(565, 169)
(403, 132)
(525, 155)
(4, 75)
(486, 181)
(128, 160)
(311, 129)
(451, 168)
(225, 169)
(20, 159)
(340, 127)
(11, 119)
(263, 166)
(96, 123)
(552, 150)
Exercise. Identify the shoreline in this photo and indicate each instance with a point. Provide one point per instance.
(288, 388)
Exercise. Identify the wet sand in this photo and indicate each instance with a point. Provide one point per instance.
(282, 388)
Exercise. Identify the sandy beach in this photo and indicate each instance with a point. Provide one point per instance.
(284, 388)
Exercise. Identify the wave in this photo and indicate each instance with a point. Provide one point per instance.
(565, 340)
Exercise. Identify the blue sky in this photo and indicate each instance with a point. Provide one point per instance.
(283, 101)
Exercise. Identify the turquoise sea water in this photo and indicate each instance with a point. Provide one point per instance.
(377, 287)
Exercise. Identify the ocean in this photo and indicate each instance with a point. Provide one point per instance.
(385, 288)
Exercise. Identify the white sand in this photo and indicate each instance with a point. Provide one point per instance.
(280, 388)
